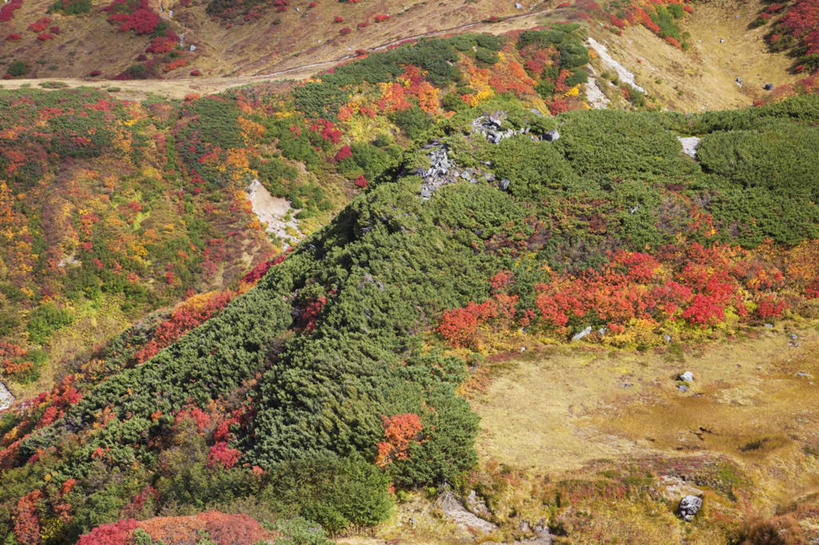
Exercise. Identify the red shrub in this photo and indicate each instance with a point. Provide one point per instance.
(115, 533)
(338, 19)
(224, 529)
(381, 18)
(27, 523)
(345, 30)
(399, 431)
(363, 24)
(309, 314)
(196, 73)
(138, 17)
(673, 42)
(13, 37)
(54, 30)
(261, 269)
(187, 316)
(45, 36)
(343, 153)
(769, 308)
(161, 45)
(142, 21)
(223, 455)
(39, 25)
(7, 10)
(312, 5)
(361, 182)
(94, 73)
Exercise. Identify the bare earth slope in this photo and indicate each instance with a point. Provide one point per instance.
(307, 42)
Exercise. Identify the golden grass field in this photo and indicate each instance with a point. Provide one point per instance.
(586, 414)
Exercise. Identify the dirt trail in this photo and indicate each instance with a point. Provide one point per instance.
(702, 78)
(285, 70)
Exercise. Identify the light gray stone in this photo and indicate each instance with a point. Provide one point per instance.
(689, 507)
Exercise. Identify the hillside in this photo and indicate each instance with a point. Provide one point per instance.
(240, 44)
(477, 230)
(435, 275)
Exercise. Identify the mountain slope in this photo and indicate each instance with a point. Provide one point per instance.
(328, 380)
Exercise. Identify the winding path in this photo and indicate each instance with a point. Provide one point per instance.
(179, 88)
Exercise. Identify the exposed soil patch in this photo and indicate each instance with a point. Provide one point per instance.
(275, 213)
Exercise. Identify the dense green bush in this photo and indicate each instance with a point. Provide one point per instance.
(782, 158)
(749, 216)
(72, 7)
(45, 320)
(486, 56)
(607, 144)
(319, 99)
(413, 121)
(272, 172)
(215, 121)
(17, 69)
(535, 169)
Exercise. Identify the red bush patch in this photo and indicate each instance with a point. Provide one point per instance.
(7, 10)
(39, 25)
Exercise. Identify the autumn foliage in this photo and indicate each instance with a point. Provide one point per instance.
(221, 528)
(400, 431)
(690, 287)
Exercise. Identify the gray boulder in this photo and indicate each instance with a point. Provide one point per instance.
(6, 397)
(551, 136)
(689, 507)
(582, 334)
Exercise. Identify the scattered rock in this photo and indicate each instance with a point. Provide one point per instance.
(769, 325)
(6, 397)
(683, 388)
(689, 507)
(689, 145)
(768, 86)
(578, 336)
(738, 81)
(477, 505)
(667, 338)
(602, 331)
(536, 112)
(542, 535)
(551, 136)
(518, 5)
(688, 376)
(803, 374)
(504, 184)
(490, 127)
(454, 511)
